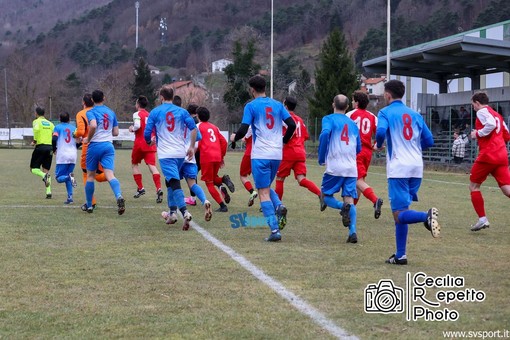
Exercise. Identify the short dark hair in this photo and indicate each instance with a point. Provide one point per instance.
(395, 88)
(290, 102)
(87, 99)
(177, 101)
(258, 83)
(167, 92)
(480, 97)
(361, 98)
(142, 101)
(40, 111)
(97, 96)
(64, 117)
(192, 109)
(203, 114)
(340, 104)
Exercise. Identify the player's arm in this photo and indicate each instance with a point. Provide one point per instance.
(190, 124)
(488, 122)
(358, 143)
(223, 145)
(506, 133)
(137, 123)
(241, 132)
(81, 126)
(380, 133)
(115, 129)
(427, 140)
(324, 140)
(291, 127)
(149, 127)
(54, 139)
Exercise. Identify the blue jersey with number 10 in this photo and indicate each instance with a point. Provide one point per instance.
(266, 116)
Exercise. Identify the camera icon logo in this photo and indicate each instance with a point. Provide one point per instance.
(384, 298)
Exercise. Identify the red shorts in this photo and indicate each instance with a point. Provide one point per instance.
(137, 155)
(209, 171)
(480, 171)
(245, 168)
(286, 166)
(363, 160)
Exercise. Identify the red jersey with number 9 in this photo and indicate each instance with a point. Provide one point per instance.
(492, 147)
(213, 145)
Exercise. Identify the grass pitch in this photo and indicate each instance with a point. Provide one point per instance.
(69, 274)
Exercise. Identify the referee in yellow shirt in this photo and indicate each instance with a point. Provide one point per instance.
(43, 152)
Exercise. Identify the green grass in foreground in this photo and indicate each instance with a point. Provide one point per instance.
(69, 274)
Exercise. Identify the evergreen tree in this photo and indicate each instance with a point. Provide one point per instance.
(334, 75)
(143, 83)
(238, 73)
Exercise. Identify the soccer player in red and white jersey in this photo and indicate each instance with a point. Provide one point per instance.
(245, 166)
(367, 125)
(294, 154)
(143, 151)
(213, 148)
(492, 135)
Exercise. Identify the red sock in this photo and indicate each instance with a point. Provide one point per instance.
(138, 180)
(218, 181)
(478, 203)
(306, 183)
(214, 192)
(279, 188)
(248, 187)
(157, 181)
(369, 193)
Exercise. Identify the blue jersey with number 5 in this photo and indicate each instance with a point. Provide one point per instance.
(266, 116)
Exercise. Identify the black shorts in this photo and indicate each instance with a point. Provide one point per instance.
(42, 156)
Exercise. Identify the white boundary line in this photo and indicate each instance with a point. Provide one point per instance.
(300, 304)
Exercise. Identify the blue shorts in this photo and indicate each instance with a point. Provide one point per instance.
(64, 169)
(264, 172)
(333, 184)
(402, 191)
(171, 167)
(189, 170)
(100, 152)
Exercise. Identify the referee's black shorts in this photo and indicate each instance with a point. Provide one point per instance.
(42, 155)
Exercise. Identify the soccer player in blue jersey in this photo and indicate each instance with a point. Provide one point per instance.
(103, 127)
(64, 147)
(170, 123)
(406, 136)
(266, 116)
(339, 143)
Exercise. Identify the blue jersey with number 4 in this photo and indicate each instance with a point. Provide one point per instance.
(339, 144)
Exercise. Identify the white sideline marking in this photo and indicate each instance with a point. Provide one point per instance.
(277, 287)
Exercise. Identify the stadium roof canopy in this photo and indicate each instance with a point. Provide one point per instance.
(452, 57)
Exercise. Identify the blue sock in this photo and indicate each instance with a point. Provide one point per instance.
(179, 199)
(268, 211)
(199, 192)
(332, 202)
(62, 179)
(115, 185)
(412, 216)
(352, 215)
(89, 192)
(401, 239)
(69, 188)
(171, 201)
(275, 199)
